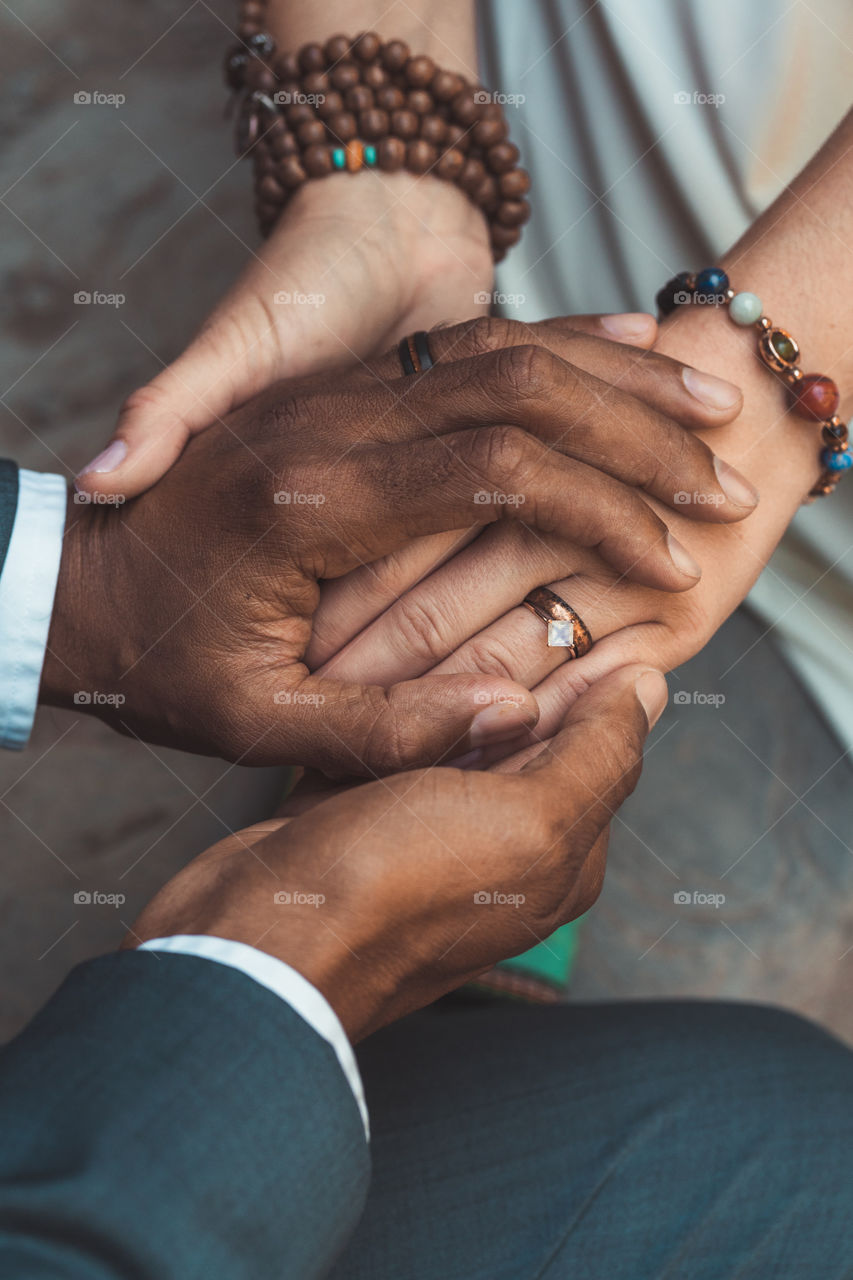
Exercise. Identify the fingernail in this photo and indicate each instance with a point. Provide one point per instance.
(711, 391)
(468, 761)
(500, 720)
(653, 694)
(111, 457)
(681, 557)
(631, 324)
(735, 486)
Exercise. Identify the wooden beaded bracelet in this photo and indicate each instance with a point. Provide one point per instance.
(351, 104)
(813, 395)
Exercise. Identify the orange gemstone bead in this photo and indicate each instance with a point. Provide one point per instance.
(816, 397)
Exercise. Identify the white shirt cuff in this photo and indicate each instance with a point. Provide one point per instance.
(27, 589)
(283, 981)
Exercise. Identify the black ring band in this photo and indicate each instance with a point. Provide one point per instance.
(405, 356)
(421, 341)
(415, 355)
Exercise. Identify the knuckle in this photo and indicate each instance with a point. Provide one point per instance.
(529, 372)
(490, 333)
(420, 629)
(490, 656)
(498, 453)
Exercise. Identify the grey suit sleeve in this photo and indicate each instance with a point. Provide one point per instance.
(167, 1118)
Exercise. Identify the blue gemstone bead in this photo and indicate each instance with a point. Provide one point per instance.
(339, 158)
(712, 280)
(370, 155)
(836, 461)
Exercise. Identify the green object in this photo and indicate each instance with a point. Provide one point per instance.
(339, 158)
(370, 155)
(550, 961)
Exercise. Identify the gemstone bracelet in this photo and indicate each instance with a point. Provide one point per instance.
(813, 395)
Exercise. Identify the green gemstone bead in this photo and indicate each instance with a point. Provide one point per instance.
(339, 158)
(783, 346)
(370, 155)
(745, 308)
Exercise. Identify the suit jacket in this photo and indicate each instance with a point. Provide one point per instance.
(167, 1117)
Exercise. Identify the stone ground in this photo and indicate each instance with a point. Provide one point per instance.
(744, 798)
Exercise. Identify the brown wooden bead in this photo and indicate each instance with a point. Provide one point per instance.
(390, 98)
(274, 128)
(434, 130)
(458, 136)
(451, 164)
(312, 58)
(291, 173)
(311, 133)
(485, 194)
(487, 132)
(504, 237)
(404, 124)
(419, 71)
(420, 156)
(286, 66)
(816, 397)
(391, 154)
(366, 46)
(446, 85)
(259, 77)
(331, 105)
(472, 175)
(394, 55)
(514, 184)
(270, 189)
(284, 145)
(373, 124)
(513, 213)
(299, 113)
(374, 75)
(344, 76)
(502, 157)
(359, 98)
(465, 110)
(317, 161)
(336, 48)
(344, 126)
(315, 83)
(419, 101)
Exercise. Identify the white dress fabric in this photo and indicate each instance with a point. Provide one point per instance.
(655, 132)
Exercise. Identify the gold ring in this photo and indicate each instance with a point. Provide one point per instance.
(566, 629)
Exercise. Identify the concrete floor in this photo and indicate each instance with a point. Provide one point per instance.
(145, 200)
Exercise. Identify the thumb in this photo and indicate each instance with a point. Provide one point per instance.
(593, 764)
(157, 420)
(351, 729)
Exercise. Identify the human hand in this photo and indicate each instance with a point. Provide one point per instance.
(202, 592)
(376, 895)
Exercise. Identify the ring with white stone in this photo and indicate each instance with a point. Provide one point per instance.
(566, 629)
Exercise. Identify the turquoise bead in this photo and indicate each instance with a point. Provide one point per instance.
(745, 308)
(370, 155)
(836, 461)
(339, 158)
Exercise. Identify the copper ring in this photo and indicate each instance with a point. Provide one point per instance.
(414, 352)
(566, 629)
